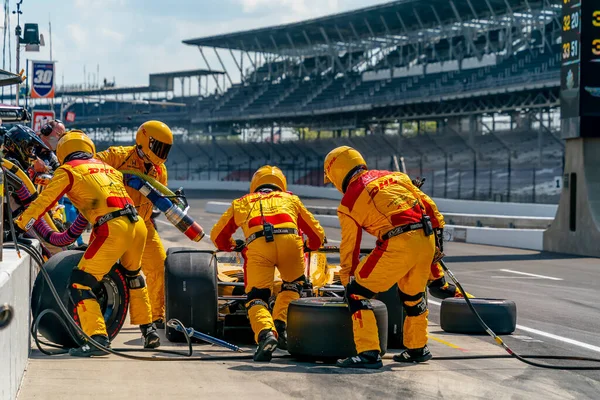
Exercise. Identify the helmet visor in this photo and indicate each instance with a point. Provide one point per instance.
(160, 149)
(29, 150)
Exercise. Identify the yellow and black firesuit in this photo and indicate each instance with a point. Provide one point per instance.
(271, 220)
(153, 142)
(97, 191)
(388, 206)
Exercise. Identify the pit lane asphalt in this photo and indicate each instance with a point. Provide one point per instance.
(568, 308)
(568, 305)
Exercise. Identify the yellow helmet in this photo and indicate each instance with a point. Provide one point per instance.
(73, 141)
(154, 140)
(268, 175)
(339, 165)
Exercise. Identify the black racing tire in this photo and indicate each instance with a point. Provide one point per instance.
(320, 328)
(395, 310)
(500, 315)
(191, 291)
(112, 294)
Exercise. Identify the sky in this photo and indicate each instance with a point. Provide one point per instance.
(130, 39)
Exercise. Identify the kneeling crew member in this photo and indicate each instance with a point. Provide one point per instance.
(98, 192)
(388, 206)
(270, 218)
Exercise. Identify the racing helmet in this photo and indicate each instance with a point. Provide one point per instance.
(268, 176)
(340, 165)
(154, 140)
(22, 141)
(74, 141)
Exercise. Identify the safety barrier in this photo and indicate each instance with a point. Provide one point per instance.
(445, 205)
(531, 239)
(16, 279)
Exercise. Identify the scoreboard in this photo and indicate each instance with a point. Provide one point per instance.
(580, 71)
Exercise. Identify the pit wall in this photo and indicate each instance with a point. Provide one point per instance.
(529, 239)
(446, 205)
(16, 279)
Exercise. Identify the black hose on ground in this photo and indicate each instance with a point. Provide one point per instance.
(512, 353)
(66, 320)
(37, 257)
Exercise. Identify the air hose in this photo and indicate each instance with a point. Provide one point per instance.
(67, 321)
(511, 352)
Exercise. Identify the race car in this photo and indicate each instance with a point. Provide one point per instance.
(205, 290)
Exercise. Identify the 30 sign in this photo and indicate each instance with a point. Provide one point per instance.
(43, 79)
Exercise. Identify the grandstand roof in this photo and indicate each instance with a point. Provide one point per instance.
(187, 73)
(393, 19)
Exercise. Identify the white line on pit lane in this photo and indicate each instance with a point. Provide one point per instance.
(532, 275)
(163, 222)
(545, 334)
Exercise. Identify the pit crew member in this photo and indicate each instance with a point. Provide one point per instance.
(97, 190)
(388, 206)
(152, 144)
(271, 219)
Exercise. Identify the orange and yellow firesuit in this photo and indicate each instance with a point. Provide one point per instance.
(97, 191)
(388, 206)
(153, 142)
(269, 204)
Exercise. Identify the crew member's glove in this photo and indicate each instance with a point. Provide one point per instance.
(418, 181)
(239, 245)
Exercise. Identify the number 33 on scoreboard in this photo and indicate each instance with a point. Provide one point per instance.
(596, 18)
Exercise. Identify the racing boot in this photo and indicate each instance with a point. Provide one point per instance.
(281, 334)
(89, 350)
(414, 355)
(150, 336)
(367, 359)
(159, 323)
(267, 344)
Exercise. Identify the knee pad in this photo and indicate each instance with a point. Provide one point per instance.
(353, 291)
(295, 286)
(417, 309)
(258, 297)
(82, 278)
(440, 289)
(134, 279)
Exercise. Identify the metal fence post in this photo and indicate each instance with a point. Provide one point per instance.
(446, 177)
(534, 182)
(509, 176)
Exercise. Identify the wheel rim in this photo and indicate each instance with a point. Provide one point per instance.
(109, 299)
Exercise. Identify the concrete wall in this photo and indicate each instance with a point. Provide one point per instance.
(583, 160)
(530, 239)
(445, 205)
(15, 288)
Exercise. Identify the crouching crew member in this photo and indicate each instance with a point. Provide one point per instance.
(388, 206)
(270, 218)
(153, 142)
(98, 192)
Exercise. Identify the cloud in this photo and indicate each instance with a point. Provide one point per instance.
(78, 35)
(131, 38)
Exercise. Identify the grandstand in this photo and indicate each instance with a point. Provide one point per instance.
(465, 92)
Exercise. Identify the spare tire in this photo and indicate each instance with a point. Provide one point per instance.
(500, 315)
(112, 294)
(320, 328)
(191, 291)
(395, 310)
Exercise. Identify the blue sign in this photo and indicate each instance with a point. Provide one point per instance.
(42, 79)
